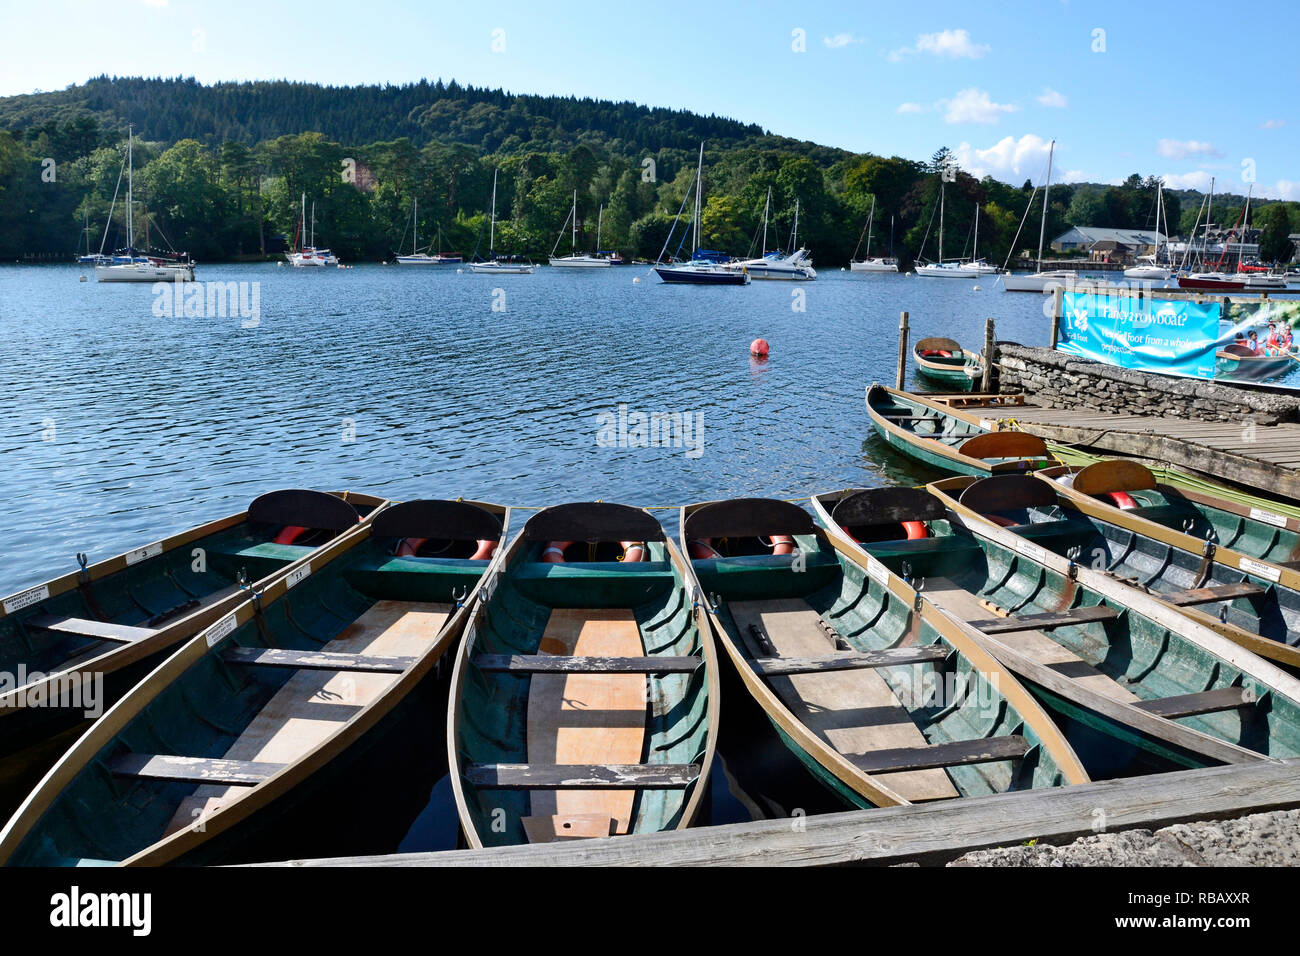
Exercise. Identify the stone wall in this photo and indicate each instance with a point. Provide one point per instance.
(1059, 380)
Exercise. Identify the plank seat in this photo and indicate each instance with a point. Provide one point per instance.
(100, 630)
(1204, 702)
(850, 660)
(572, 776)
(1046, 622)
(227, 773)
(854, 711)
(1211, 595)
(563, 664)
(317, 660)
(955, 754)
(1034, 644)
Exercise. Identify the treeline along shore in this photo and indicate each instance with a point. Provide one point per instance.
(220, 171)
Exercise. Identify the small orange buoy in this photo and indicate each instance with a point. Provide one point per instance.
(758, 347)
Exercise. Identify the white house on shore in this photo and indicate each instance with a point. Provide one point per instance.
(1103, 244)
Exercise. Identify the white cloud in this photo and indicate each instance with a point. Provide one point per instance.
(1052, 98)
(840, 40)
(1272, 124)
(1196, 180)
(1010, 160)
(912, 108)
(1283, 189)
(1072, 176)
(154, 3)
(974, 106)
(953, 44)
(1181, 149)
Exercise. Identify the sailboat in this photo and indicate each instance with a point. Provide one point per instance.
(868, 264)
(1040, 281)
(1215, 279)
(941, 269)
(1149, 267)
(138, 269)
(613, 257)
(576, 260)
(704, 267)
(796, 267)
(308, 256)
(494, 266)
(417, 258)
(979, 265)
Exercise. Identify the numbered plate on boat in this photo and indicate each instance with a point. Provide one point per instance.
(144, 554)
(297, 576)
(1265, 571)
(1259, 514)
(221, 629)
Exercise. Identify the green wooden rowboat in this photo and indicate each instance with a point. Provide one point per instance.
(1188, 549)
(944, 362)
(884, 705)
(73, 645)
(584, 701)
(935, 434)
(207, 757)
(1139, 686)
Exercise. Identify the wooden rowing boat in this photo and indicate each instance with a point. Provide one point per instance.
(1192, 550)
(936, 434)
(584, 701)
(1138, 685)
(884, 705)
(217, 744)
(112, 621)
(945, 362)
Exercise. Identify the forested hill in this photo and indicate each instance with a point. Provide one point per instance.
(170, 110)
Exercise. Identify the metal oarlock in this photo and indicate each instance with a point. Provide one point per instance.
(460, 598)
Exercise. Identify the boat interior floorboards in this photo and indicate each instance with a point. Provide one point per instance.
(855, 711)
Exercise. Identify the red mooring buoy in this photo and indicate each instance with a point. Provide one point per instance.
(758, 347)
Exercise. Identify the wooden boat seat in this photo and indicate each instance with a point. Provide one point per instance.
(1004, 445)
(315, 703)
(1046, 622)
(855, 711)
(955, 754)
(849, 660)
(1118, 474)
(1204, 702)
(99, 630)
(316, 660)
(1212, 595)
(230, 773)
(557, 664)
(1033, 643)
(577, 721)
(525, 776)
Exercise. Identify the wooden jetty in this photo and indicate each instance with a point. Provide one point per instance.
(932, 833)
(1265, 457)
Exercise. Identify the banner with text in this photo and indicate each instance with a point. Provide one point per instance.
(1248, 342)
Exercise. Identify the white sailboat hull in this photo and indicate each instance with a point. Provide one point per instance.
(947, 271)
(502, 268)
(1148, 272)
(144, 272)
(874, 265)
(579, 262)
(1038, 281)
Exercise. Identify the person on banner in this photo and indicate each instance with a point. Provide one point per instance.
(1252, 341)
(1284, 339)
(1271, 344)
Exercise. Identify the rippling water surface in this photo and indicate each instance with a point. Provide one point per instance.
(118, 427)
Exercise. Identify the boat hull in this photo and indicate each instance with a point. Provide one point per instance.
(1210, 284)
(1038, 282)
(143, 272)
(874, 265)
(685, 276)
(579, 262)
(494, 268)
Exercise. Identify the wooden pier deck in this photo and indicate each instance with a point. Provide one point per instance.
(932, 833)
(1265, 457)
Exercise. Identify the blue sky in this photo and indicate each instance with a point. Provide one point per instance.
(1185, 90)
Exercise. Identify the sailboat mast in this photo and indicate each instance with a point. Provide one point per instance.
(130, 176)
(699, 185)
(492, 227)
(313, 224)
(302, 224)
(794, 236)
(1042, 229)
(941, 192)
(767, 204)
(975, 253)
(871, 217)
(415, 226)
(600, 217)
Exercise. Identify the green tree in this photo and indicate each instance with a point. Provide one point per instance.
(1274, 246)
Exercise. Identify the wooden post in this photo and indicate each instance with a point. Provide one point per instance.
(1058, 299)
(901, 378)
(986, 385)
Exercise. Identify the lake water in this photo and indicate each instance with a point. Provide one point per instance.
(119, 426)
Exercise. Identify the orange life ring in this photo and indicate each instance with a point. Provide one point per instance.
(1121, 500)
(289, 534)
(410, 547)
(702, 549)
(782, 544)
(553, 553)
(635, 551)
(486, 548)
